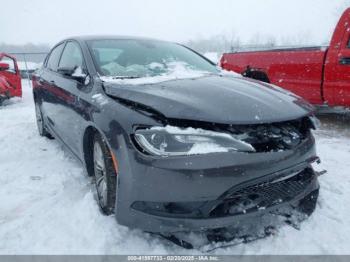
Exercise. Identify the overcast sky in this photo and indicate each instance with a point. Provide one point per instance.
(43, 21)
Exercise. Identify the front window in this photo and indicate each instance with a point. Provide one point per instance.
(126, 58)
(71, 56)
(52, 62)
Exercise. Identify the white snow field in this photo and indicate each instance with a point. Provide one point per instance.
(47, 203)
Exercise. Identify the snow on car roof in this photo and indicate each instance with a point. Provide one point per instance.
(105, 37)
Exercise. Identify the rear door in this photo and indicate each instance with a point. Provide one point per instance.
(12, 76)
(47, 89)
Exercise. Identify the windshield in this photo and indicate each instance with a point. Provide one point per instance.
(124, 58)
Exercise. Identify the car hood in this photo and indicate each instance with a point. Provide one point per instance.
(217, 99)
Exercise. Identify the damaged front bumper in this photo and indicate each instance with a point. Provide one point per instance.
(248, 228)
(234, 211)
(207, 192)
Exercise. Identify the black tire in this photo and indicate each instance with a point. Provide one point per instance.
(40, 122)
(105, 175)
(256, 74)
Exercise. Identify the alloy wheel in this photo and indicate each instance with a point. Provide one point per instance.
(100, 174)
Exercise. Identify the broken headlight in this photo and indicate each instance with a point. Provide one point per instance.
(174, 141)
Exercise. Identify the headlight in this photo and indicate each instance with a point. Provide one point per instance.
(173, 141)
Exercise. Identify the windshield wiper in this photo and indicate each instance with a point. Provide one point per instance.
(125, 77)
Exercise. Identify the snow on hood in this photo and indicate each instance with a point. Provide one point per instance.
(224, 72)
(175, 71)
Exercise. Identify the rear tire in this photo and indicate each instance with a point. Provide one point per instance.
(40, 122)
(105, 175)
(256, 74)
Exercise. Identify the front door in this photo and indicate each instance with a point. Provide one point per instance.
(12, 76)
(70, 113)
(337, 65)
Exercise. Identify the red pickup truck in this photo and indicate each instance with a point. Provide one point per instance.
(321, 75)
(10, 78)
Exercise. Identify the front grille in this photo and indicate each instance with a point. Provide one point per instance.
(234, 202)
(275, 136)
(263, 195)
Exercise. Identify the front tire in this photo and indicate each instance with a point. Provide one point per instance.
(105, 175)
(40, 122)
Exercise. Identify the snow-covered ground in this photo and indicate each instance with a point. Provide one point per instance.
(47, 203)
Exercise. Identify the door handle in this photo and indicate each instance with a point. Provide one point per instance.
(52, 82)
(344, 61)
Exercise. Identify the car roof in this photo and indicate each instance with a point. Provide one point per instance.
(109, 37)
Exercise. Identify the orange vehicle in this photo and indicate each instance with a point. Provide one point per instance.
(10, 78)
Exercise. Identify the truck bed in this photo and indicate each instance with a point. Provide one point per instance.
(299, 69)
(278, 49)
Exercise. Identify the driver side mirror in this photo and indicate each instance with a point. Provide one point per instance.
(4, 66)
(76, 73)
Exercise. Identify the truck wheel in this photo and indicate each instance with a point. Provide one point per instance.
(256, 74)
(40, 122)
(105, 175)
